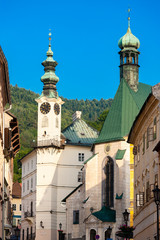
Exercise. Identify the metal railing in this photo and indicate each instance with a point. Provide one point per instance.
(47, 142)
(31, 236)
(28, 214)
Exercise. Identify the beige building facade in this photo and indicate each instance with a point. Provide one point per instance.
(145, 136)
(9, 146)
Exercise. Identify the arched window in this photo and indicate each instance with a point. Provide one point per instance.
(133, 58)
(107, 234)
(92, 234)
(108, 182)
(45, 121)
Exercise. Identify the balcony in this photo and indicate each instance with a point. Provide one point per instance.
(31, 236)
(28, 216)
(47, 143)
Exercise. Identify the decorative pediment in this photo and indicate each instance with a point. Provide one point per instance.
(92, 219)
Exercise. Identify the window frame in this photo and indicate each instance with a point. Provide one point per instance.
(75, 216)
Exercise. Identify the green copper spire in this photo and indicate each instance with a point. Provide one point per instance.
(129, 40)
(49, 78)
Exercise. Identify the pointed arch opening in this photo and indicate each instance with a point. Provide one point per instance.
(108, 182)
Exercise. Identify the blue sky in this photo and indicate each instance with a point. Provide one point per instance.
(85, 38)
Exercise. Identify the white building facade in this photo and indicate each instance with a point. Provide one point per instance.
(58, 159)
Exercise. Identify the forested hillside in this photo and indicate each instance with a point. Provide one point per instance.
(24, 108)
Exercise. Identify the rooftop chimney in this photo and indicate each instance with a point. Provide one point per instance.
(76, 115)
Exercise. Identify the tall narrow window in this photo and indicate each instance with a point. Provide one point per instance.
(143, 149)
(76, 217)
(27, 184)
(23, 187)
(147, 192)
(57, 122)
(14, 207)
(140, 199)
(45, 121)
(155, 128)
(27, 233)
(148, 137)
(31, 182)
(92, 234)
(23, 235)
(31, 232)
(80, 176)
(31, 209)
(108, 183)
(156, 179)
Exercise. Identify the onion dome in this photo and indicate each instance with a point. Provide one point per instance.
(49, 78)
(49, 65)
(129, 40)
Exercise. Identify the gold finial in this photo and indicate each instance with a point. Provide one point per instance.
(50, 34)
(129, 10)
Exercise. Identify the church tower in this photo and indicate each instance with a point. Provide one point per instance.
(129, 68)
(49, 103)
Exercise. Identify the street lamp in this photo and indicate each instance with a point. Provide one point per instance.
(17, 232)
(126, 216)
(156, 192)
(60, 231)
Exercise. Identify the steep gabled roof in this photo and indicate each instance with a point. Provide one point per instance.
(106, 214)
(80, 133)
(125, 107)
(16, 190)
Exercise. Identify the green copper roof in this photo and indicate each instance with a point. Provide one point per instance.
(125, 107)
(90, 158)
(105, 214)
(118, 197)
(120, 154)
(79, 132)
(129, 40)
(51, 94)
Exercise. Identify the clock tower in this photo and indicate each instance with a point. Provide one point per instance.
(49, 104)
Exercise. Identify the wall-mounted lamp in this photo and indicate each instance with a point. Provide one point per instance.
(41, 224)
(60, 226)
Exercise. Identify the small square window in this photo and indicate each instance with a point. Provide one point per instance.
(80, 176)
(81, 157)
(14, 207)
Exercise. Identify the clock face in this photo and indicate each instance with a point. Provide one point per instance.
(45, 107)
(56, 108)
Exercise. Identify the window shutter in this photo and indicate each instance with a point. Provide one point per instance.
(140, 199)
(150, 134)
(7, 138)
(135, 150)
